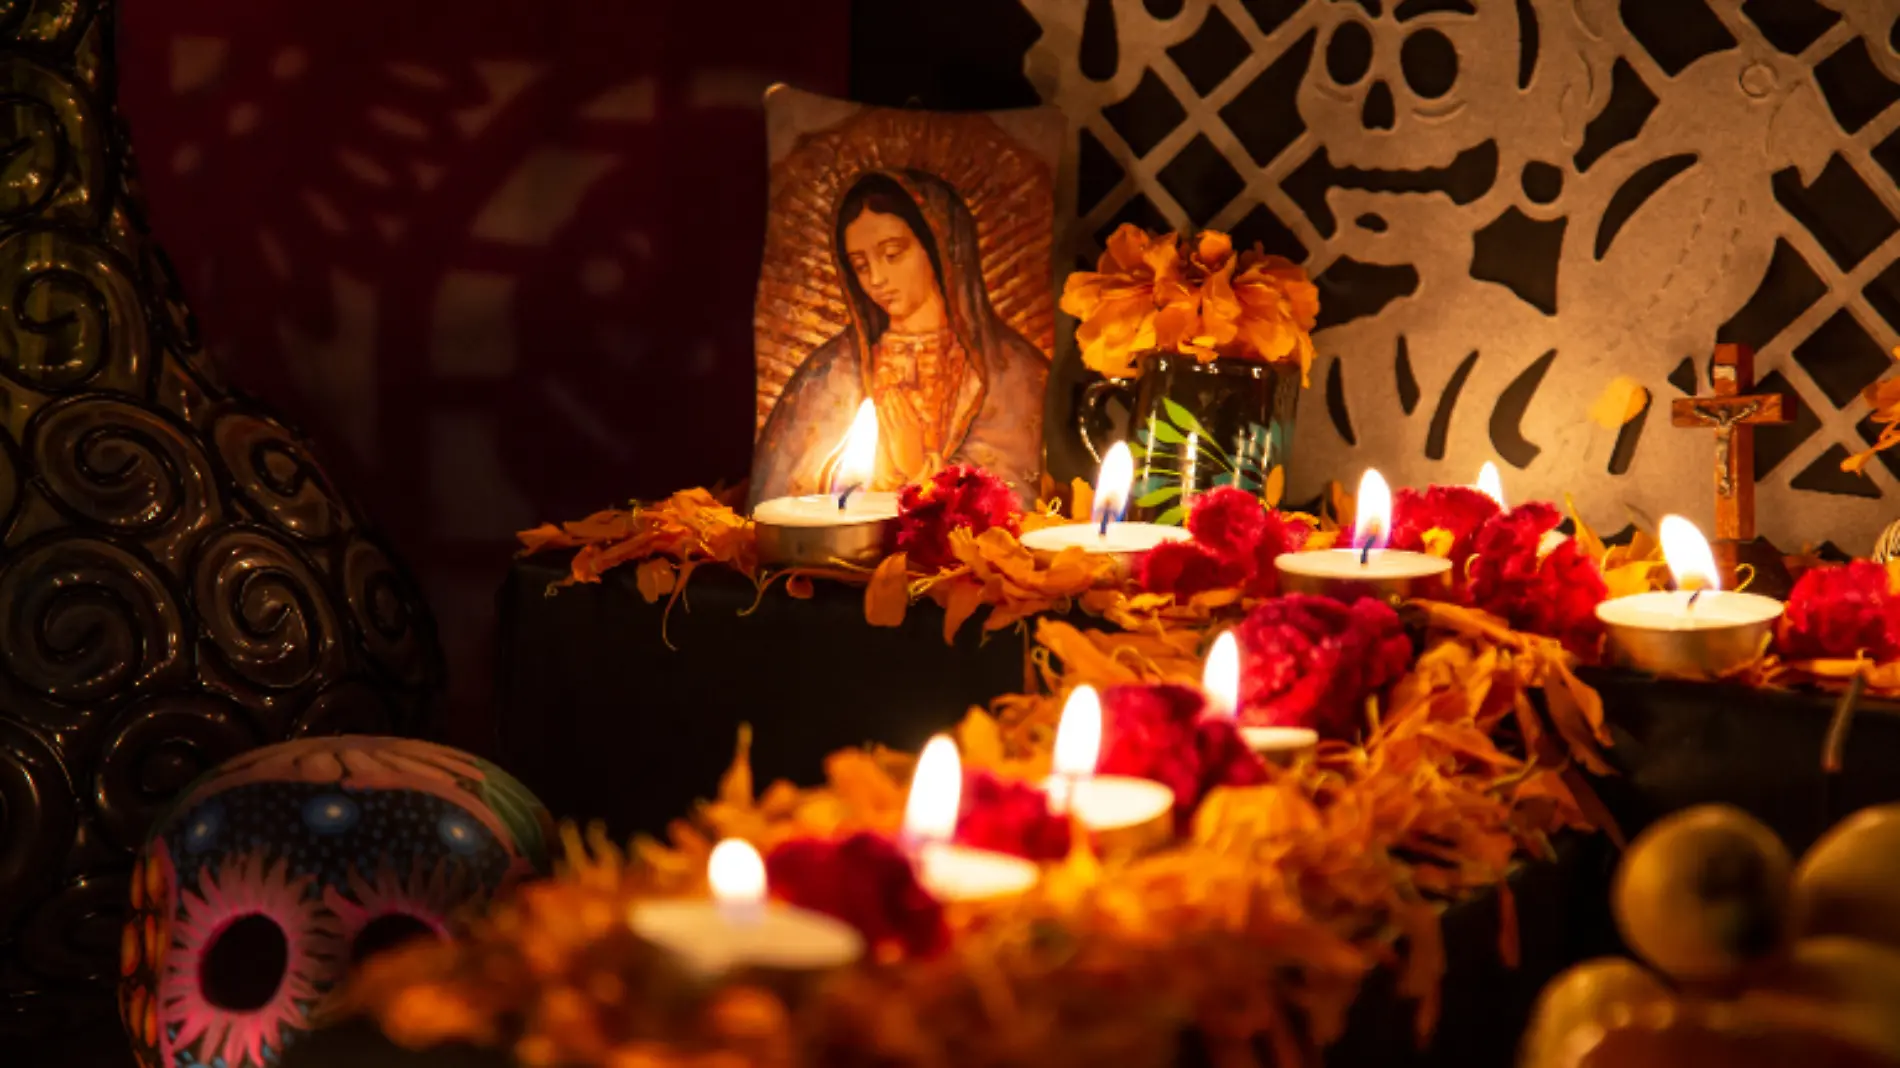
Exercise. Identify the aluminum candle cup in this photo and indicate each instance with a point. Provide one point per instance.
(1124, 541)
(1105, 534)
(1662, 633)
(1388, 574)
(813, 531)
(1124, 816)
(1280, 745)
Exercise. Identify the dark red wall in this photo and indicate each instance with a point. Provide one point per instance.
(496, 256)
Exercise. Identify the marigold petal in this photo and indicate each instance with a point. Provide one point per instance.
(887, 596)
(655, 579)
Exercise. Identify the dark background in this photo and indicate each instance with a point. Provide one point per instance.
(497, 257)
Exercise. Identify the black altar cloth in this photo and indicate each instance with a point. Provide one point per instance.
(602, 720)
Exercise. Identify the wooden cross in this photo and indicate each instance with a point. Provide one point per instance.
(1734, 414)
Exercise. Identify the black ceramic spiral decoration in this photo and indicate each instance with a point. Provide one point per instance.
(179, 579)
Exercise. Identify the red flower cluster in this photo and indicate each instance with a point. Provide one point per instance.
(1459, 510)
(1009, 816)
(1236, 539)
(1157, 732)
(1842, 612)
(963, 496)
(865, 881)
(1310, 661)
(1555, 595)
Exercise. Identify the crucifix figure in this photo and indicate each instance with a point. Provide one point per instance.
(1734, 414)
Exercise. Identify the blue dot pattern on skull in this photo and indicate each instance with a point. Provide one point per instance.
(327, 833)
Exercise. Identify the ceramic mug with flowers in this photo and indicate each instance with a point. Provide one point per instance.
(1208, 347)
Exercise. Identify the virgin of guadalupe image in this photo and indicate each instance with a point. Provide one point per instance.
(951, 381)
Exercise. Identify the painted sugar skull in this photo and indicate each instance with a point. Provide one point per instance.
(274, 873)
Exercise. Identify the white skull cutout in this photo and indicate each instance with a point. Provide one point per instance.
(1649, 171)
(1420, 148)
(1380, 73)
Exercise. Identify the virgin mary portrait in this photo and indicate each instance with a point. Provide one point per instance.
(951, 381)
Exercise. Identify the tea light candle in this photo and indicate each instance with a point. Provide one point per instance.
(848, 524)
(1368, 568)
(739, 927)
(952, 872)
(1123, 812)
(1220, 678)
(1698, 634)
(1106, 533)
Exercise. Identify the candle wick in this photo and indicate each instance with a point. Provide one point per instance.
(1693, 596)
(1062, 792)
(1108, 516)
(846, 495)
(1365, 553)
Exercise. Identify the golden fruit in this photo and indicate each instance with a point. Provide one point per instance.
(1695, 1040)
(1856, 984)
(1587, 1001)
(1703, 894)
(1849, 883)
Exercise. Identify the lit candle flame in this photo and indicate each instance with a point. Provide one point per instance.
(857, 454)
(1688, 555)
(1372, 516)
(1112, 484)
(1079, 735)
(737, 876)
(1490, 484)
(936, 790)
(1220, 677)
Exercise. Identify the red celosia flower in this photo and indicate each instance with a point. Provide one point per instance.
(1225, 758)
(1310, 661)
(1008, 816)
(1236, 539)
(1156, 732)
(865, 881)
(960, 497)
(1555, 594)
(1283, 534)
(1229, 521)
(1184, 568)
(1842, 612)
(1459, 510)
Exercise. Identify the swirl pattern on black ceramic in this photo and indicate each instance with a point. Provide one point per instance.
(180, 581)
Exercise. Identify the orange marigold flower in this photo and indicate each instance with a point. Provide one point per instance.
(1117, 301)
(1198, 298)
(1279, 307)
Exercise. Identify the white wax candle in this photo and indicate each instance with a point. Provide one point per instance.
(715, 937)
(821, 510)
(1379, 564)
(959, 873)
(1274, 742)
(1670, 610)
(1110, 802)
(1120, 539)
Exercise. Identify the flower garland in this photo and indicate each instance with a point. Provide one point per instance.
(961, 528)
(1285, 890)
